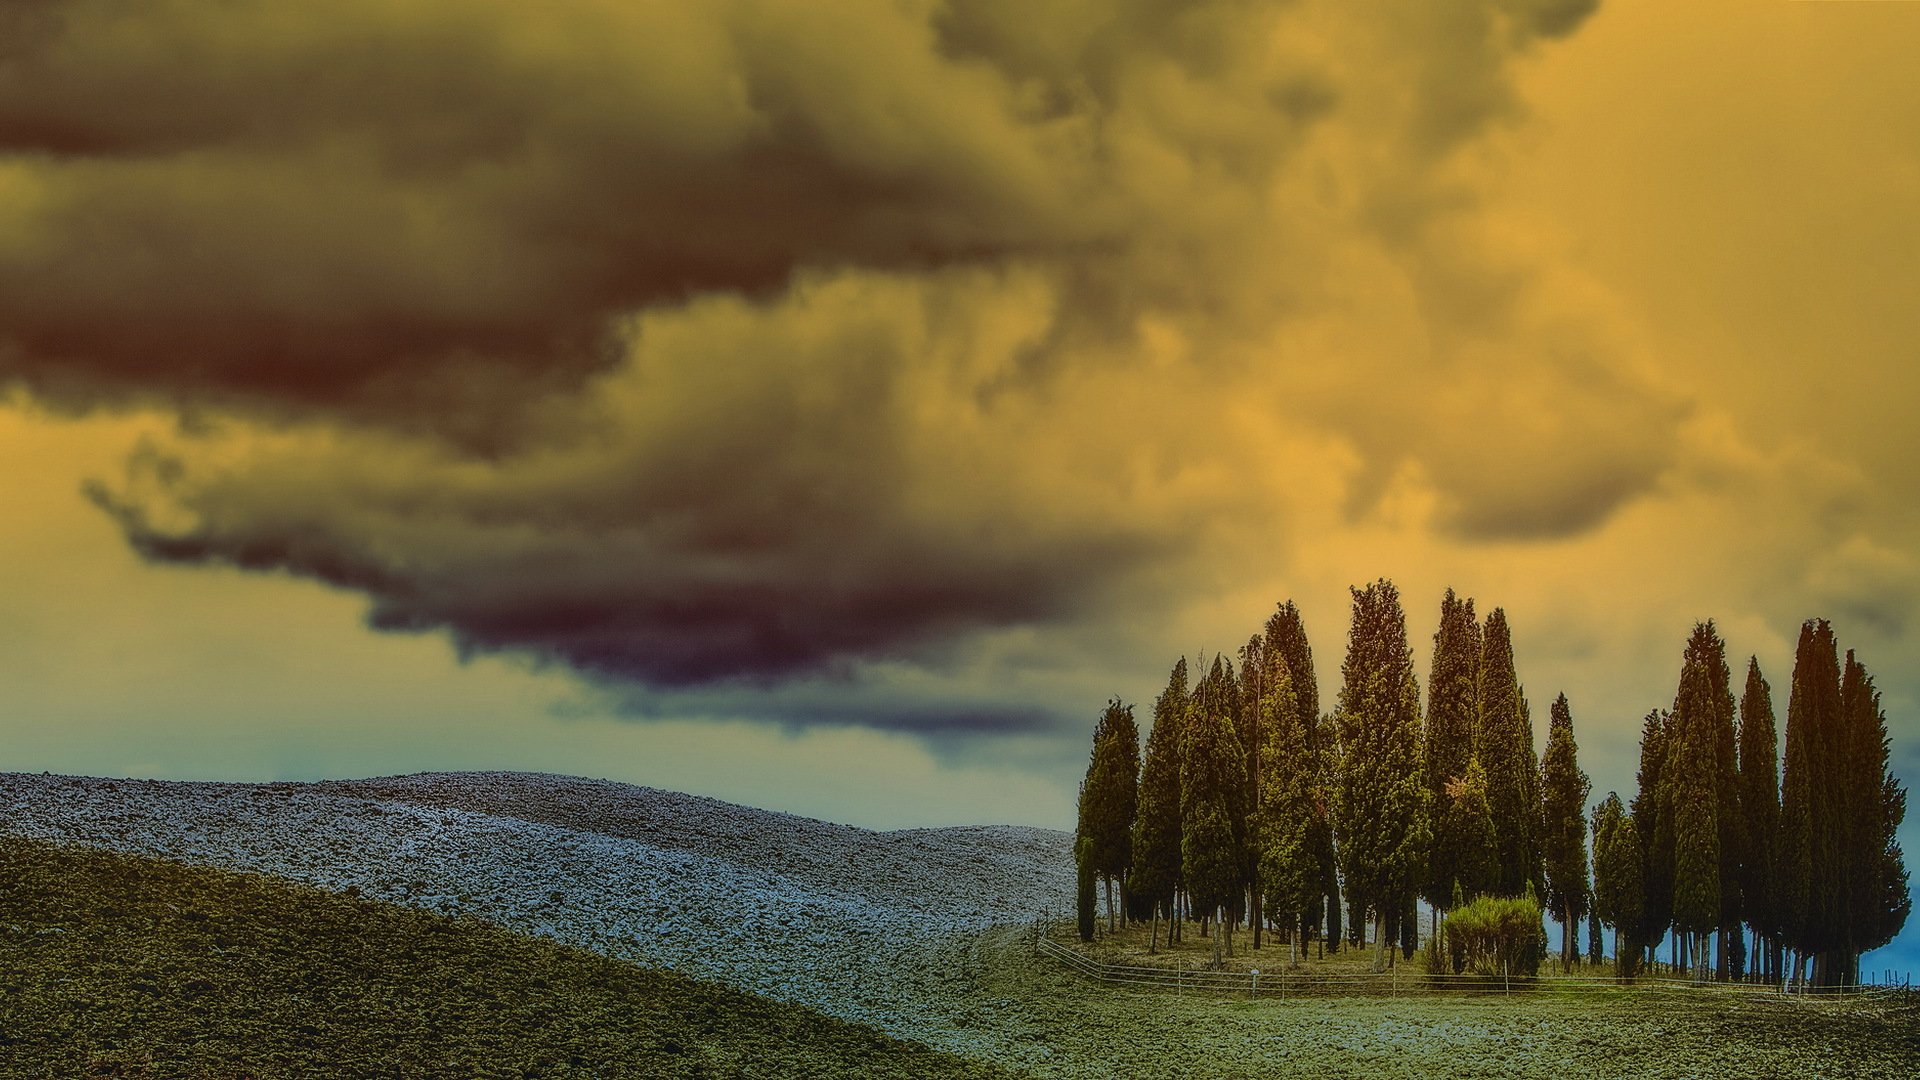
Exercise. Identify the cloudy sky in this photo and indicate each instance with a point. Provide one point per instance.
(827, 406)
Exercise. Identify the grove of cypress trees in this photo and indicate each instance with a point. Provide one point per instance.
(1503, 741)
(1156, 824)
(1564, 828)
(1760, 806)
(1210, 775)
(1448, 743)
(1380, 802)
(1110, 795)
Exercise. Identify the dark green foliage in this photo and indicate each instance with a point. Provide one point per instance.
(1496, 935)
(1380, 812)
(1653, 824)
(1697, 775)
(1110, 795)
(1596, 951)
(1286, 639)
(1289, 875)
(1619, 880)
(1503, 740)
(117, 965)
(1156, 825)
(1465, 815)
(1563, 832)
(1448, 742)
(1807, 853)
(1211, 786)
(1083, 891)
(1759, 801)
(1874, 890)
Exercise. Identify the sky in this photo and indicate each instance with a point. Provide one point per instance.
(829, 406)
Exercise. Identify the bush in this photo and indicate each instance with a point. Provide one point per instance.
(1496, 936)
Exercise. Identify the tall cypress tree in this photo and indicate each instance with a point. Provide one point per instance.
(1286, 638)
(1874, 897)
(1156, 823)
(1210, 771)
(1760, 806)
(1807, 855)
(1703, 792)
(1109, 798)
(1448, 744)
(1380, 803)
(1653, 829)
(1564, 827)
(1503, 740)
(1289, 875)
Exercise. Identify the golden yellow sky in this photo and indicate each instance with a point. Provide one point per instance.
(826, 406)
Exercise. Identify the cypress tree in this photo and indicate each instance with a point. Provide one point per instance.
(1210, 771)
(1448, 744)
(1109, 797)
(1289, 875)
(1760, 806)
(1595, 951)
(1286, 638)
(1564, 828)
(1156, 823)
(1380, 803)
(1653, 828)
(1503, 740)
(1806, 856)
(1874, 894)
(1619, 881)
(1697, 772)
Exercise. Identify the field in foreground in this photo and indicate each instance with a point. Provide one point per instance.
(1101, 1030)
(121, 965)
(919, 934)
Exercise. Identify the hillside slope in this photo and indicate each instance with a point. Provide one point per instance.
(874, 928)
(124, 965)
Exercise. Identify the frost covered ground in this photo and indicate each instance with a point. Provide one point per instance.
(879, 928)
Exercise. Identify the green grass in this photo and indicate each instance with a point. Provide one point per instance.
(116, 965)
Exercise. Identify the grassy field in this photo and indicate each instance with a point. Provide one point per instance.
(1079, 1028)
(112, 965)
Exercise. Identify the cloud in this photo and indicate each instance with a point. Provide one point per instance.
(752, 341)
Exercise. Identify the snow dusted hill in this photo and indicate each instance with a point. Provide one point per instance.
(875, 927)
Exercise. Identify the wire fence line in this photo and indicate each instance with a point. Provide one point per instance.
(1281, 983)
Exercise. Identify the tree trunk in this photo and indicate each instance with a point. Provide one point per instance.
(1153, 932)
(1216, 945)
(1126, 913)
(1380, 941)
(1254, 913)
(1109, 905)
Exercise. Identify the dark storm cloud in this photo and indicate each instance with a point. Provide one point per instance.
(751, 340)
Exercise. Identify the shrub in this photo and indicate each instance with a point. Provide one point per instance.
(1496, 936)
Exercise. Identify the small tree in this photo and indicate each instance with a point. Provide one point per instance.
(1619, 881)
(1110, 797)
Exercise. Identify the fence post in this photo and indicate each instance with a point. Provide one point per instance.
(1256, 983)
